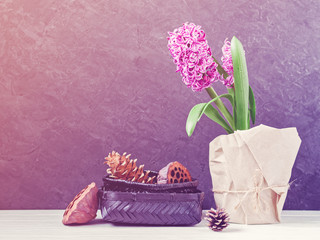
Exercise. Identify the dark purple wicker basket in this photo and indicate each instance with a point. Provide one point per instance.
(150, 204)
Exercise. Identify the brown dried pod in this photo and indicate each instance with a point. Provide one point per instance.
(83, 207)
(174, 172)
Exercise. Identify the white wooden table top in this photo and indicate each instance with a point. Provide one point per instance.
(46, 224)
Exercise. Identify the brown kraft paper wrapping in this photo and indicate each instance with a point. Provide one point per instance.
(250, 172)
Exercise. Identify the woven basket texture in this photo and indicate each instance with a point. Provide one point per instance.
(151, 208)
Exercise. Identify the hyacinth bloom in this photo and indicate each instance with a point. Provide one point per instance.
(199, 69)
(227, 64)
(192, 55)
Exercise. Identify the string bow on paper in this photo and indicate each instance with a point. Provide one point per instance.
(258, 180)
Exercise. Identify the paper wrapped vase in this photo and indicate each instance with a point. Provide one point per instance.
(250, 172)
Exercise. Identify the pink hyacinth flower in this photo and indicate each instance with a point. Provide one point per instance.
(192, 55)
(227, 64)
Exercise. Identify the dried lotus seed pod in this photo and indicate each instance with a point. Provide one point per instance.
(174, 172)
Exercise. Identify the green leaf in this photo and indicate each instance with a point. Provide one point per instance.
(230, 97)
(215, 116)
(252, 106)
(193, 117)
(231, 92)
(241, 85)
(222, 108)
(227, 96)
(196, 113)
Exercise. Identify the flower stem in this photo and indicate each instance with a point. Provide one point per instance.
(220, 69)
(225, 112)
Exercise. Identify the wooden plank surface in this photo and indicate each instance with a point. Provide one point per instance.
(46, 224)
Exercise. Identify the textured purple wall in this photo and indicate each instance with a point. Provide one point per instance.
(79, 79)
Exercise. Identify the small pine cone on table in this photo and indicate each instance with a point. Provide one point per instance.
(218, 219)
(122, 167)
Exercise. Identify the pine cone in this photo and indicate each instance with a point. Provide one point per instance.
(174, 172)
(122, 167)
(218, 219)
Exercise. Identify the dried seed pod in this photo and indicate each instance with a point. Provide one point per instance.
(83, 207)
(174, 172)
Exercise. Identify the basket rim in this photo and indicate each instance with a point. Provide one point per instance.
(166, 186)
(108, 195)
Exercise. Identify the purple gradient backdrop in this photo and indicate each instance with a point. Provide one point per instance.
(79, 79)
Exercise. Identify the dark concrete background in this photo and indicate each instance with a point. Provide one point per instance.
(79, 79)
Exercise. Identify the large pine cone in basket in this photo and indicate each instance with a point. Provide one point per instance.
(122, 167)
